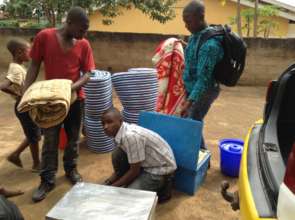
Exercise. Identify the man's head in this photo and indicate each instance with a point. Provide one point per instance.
(77, 23)
(111, 121)
(19, 49)
(194, 16)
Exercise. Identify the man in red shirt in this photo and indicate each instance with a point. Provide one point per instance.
(65, 53)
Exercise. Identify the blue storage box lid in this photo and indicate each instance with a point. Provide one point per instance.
(183, 135)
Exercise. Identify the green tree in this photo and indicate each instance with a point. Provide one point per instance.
(247, 16)
(267, 23)
(239, 20)
(255, 23)
(246, 20)
(236, 19)
(18, 8)
(55, 10)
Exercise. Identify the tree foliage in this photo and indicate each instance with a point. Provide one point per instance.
(266, 23)
(236, 19)
(18, 8)
(259, 18)
(55, 10)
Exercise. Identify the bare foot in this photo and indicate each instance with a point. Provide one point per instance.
(9, 193)
(15, 160)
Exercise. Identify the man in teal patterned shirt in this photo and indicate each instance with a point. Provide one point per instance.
(200, 85)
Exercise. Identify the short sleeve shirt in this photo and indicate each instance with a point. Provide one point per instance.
(145, 146)
(60, 64)
(16, 74)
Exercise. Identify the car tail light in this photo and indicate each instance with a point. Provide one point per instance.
(269, 90)
(268, 99)
(289, 179)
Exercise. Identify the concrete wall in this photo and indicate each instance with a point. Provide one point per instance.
(267, 59)
(291, 30)
(119, 51)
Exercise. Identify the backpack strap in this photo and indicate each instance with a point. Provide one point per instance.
(217, 30)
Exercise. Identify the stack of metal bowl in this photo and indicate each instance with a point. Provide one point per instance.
(137, 90)
(98, 92)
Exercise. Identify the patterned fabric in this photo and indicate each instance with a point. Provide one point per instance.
(16, 75)
(145, 146)
(198, 73)
(169, 61)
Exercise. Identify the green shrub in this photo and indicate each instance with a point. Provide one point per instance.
(9, 24)
(35, 25)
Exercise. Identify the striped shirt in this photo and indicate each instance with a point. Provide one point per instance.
(145, 146)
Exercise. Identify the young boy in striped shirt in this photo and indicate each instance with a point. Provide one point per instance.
(142, 160)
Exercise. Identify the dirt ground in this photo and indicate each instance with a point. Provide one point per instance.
(230, 117)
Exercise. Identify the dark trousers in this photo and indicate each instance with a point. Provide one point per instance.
(199, 109)
(49, 161)
(145, 181)
(30, 129)
(8, 210)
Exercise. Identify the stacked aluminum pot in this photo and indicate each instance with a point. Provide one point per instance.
(137, 90)
(98, 92)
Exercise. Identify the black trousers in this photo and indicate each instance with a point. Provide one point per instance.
(8, 210)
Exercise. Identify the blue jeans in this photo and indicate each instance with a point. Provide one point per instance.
(199, 109)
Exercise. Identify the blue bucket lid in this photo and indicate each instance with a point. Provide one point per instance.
(234, 146)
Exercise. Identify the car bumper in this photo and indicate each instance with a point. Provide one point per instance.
(248, 209)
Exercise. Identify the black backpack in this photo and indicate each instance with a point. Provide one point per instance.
(229, 70)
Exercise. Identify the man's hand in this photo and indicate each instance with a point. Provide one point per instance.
(129, 176)
(184, 112)
(4, 85)
(110, 180)
(183, 42)
(81, 82)
(32, 74)
(9, 92)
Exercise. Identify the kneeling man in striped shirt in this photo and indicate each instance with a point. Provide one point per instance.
(142, 160)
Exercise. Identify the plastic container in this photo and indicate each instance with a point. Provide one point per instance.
(189, 181)
(230, 156)
(63, 140)
(184, 138)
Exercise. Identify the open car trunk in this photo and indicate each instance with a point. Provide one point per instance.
(276, 138)
(270, 144)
